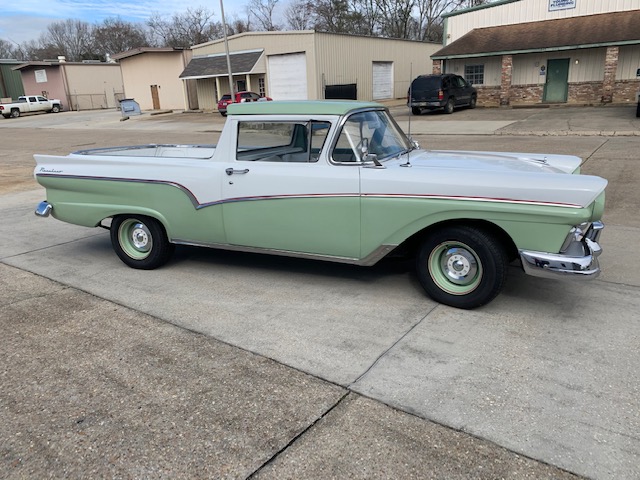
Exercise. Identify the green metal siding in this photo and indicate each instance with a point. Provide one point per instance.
(10, 82)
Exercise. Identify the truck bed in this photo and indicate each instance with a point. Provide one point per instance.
(169, 151)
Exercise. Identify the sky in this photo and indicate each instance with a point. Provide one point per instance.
(22, 20)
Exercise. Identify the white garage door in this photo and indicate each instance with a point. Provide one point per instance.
(382, 80)
(288, 76)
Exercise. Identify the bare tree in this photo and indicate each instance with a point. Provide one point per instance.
(115, 35)
(395, 17)
(262, 11)
(8, 50)
(300, 15)
(338, 16)
(193, 27)
(71, 38)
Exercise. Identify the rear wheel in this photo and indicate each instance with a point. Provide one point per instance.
(15, 113)
(416, 110)
(461, 266)
(140, 241)
(448, 108)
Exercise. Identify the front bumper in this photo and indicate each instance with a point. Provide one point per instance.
(577, 259)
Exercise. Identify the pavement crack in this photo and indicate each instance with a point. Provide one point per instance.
(299, 435)
(383, 354)
(2, 259)
(594, 152)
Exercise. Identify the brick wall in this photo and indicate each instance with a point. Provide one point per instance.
(585, 93)
(526, 94)
(488, 96)
(437, 67)
(505, 79)
(610, 67)
(626, 91)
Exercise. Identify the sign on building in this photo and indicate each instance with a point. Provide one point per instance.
(561, 5)
(41, 76)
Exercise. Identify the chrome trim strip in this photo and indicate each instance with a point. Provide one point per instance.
(371, 259)
(93, 151)
(43, 209)
(197, 205)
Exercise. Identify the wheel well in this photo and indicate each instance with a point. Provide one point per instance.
(411, 245)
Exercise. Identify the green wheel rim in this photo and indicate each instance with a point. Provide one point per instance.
(135, 239)
(455, 268)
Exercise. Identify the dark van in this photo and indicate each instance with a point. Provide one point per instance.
(447, 91)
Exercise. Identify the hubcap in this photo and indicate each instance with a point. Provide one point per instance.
(455, 268)
(135, 239)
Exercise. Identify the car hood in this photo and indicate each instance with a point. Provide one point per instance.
(495, 176)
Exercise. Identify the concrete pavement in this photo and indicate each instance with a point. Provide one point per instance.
(229, 365)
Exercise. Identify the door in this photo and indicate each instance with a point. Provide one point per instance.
(155, 97)
(288, 76)
(280, 192)
(382, 80)
(556, 87)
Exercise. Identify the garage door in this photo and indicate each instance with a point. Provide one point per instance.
(288, 76)
(382, 80)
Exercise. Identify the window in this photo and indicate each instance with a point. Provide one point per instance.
(42, 99)
(371, 132)
(281, 141)
(32, 99)
(261, 89)
(474, 74)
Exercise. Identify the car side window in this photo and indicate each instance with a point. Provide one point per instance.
(281, 141)
(32, 99)
(42, 99)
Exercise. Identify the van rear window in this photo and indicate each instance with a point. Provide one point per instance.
(424, 83)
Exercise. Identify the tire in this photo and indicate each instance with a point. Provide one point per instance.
(224, 114)
(416, 110)
(55, 109)
(15, 113)
(461, 266)
(140, 242)
(473, 103)
(449, 107)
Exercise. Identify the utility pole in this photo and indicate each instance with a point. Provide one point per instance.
(226, 49)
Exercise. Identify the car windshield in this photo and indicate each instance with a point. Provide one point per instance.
(373, 132)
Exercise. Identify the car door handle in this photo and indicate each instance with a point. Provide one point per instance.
(231, 171)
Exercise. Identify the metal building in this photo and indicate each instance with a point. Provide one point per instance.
(524, 52)
(298, 65)
(10, 80)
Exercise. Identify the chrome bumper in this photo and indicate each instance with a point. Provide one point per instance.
(43, 209)
(577, 259)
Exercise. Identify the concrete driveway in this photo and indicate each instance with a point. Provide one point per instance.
(320, 370)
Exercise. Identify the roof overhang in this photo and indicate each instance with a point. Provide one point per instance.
(215, 65)
(573, 33)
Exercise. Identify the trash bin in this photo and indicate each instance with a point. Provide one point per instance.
(129, 107)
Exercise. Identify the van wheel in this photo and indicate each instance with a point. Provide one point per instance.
(140, 241)
(416, 110)
(15, 113)
(448, 108)
(462, 266)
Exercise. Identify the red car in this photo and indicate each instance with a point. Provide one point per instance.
(240, 98)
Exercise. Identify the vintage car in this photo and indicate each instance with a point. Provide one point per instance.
(337, 181)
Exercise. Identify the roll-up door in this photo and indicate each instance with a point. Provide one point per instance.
(382, 80)
(288, 76)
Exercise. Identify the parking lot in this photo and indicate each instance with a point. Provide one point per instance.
(230, 365)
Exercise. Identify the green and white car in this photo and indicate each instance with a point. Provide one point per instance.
(338, 181)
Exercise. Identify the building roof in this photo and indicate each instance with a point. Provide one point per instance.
(210, 66)
(141, 50)
(477, 7)
(25, 65)
(591, 31)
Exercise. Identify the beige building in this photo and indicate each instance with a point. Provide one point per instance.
(151, 78)
(78, 85)
(546, 51)
(300, 65)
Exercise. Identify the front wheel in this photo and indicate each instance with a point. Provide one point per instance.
(461, 266)
(140, 242)
(55, 109)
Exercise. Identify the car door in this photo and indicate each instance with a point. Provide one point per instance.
(463, 90)
(280, 192)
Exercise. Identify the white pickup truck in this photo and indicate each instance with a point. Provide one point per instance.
(338, 181)
(29, 104)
